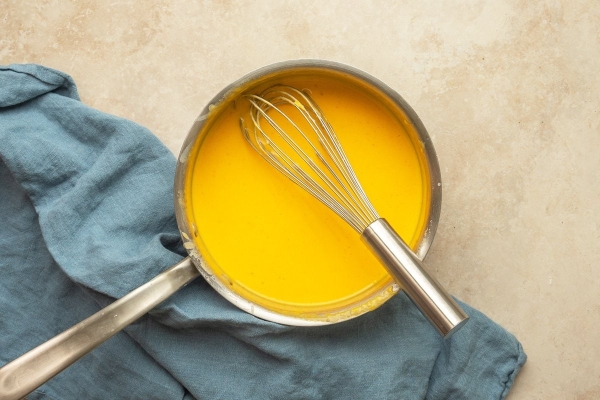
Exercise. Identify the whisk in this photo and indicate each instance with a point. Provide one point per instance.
(300, 143)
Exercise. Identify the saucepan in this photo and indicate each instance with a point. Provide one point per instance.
(32, 369)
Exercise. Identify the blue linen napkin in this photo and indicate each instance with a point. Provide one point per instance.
(86, 215)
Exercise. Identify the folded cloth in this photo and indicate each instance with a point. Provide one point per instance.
(86, 215)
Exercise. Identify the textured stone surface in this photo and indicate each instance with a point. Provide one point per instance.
(509, 91)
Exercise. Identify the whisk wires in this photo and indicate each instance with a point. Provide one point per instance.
(289, 130)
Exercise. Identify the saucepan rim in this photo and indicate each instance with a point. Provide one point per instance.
(234, 89)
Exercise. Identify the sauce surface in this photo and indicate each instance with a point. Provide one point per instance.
(276, 245)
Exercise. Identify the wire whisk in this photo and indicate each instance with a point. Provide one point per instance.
(291, 132)
(339, 188)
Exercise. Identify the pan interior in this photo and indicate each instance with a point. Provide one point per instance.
(266, 240)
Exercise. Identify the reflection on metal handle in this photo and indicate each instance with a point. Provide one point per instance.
(34, 368)
(427, 294)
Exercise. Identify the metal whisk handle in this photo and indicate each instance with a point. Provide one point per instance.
(406, 268)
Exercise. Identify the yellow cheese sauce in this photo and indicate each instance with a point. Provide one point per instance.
(273, 243)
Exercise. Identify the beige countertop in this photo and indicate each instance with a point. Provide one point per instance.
(509, 91)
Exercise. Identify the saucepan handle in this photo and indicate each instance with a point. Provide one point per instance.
(34, 368)
(406, 268)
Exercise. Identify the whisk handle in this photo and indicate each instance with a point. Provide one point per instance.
(406, 268)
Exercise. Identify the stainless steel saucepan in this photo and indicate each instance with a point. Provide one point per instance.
(26, 373)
